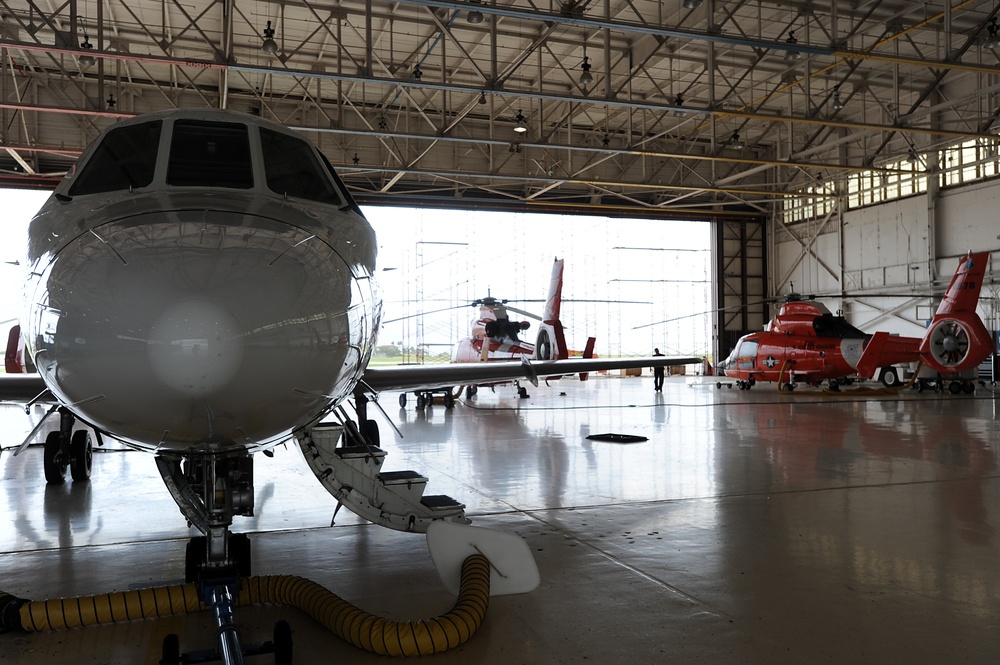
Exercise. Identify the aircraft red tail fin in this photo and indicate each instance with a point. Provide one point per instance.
(588, 352)
(550, 344)
(554, 302)
(957, 338)
(14, 357)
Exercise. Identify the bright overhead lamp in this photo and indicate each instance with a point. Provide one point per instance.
(269, 45)
(993, 38)
(691, 4)
(735, 143)
(837, 103)
(474, 16)
(86, 60)
(520, 121)
(586, 78)
(791, 55)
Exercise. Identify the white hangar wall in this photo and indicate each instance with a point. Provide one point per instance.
(908, 246)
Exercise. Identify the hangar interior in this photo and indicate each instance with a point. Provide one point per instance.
(848, 150)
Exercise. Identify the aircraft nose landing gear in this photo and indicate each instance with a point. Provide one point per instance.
(210, 491)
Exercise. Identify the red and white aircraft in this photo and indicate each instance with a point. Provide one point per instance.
(495, 337)
(201, 286)
(805, 342)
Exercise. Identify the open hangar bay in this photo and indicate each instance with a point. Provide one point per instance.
(844, 152)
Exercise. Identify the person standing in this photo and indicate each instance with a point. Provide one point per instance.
(657, 374)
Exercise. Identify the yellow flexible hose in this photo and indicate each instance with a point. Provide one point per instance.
(357, 627)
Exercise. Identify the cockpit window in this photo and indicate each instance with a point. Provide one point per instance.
(291, 169)
(124, 160)
(210, 154)
(746, 357)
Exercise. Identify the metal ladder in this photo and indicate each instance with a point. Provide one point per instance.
(353, 475)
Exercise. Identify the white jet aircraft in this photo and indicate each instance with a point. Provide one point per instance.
(201, 286)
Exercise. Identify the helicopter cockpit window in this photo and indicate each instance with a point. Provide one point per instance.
(291, 169)
(746, 357)
(210, 154)
(124, 160)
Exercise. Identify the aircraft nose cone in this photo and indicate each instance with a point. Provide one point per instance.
(195, 347)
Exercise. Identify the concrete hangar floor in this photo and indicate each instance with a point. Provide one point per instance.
(751, 527)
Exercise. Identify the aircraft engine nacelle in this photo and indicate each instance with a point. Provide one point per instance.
(955, 344)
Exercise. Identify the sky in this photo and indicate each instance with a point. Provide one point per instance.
(444, 259)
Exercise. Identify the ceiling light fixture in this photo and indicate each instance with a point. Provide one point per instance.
(111, 102)
(269, 45)
(691, 4)
(735, 142)
(993, 39)
(86, 60)
(417, 72)
(791, 55)
(586, 78)
(482, 98)
(837, 103)
(912, 156)
(520, 121)
(474, 16)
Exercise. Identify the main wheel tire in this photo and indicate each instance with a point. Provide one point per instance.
(889, 377)
(402, 400)
(420, 401)
(449, 400)
(954, 387)
(371, 432)
(81, 455)
(282, 643)
(969, 387)
(53, 462)
(171, 654)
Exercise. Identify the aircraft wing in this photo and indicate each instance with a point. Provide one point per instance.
(413, 377)
(26, 387)
(20, 387)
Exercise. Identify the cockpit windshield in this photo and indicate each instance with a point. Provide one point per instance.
(291, 169)
(205, 153)
(210, 154)
(124, 160)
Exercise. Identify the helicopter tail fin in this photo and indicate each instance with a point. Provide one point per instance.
(957, 339)
(550, 343)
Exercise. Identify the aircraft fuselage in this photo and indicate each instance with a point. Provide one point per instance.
(202, 282)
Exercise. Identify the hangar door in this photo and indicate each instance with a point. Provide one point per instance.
(740, 282)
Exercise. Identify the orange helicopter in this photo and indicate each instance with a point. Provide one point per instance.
(807, 343)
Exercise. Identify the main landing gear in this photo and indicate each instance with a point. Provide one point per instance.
(426, 398)
(66, 448)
